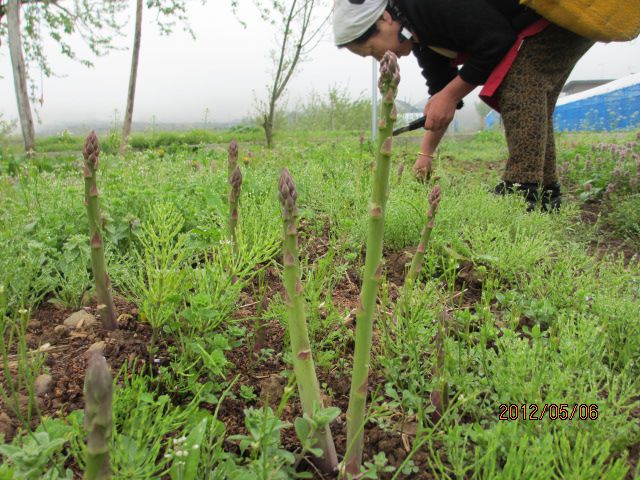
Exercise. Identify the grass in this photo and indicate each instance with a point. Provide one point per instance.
(535, 317)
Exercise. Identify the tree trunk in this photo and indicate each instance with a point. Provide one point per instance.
(135, 55)
(268, 129)
(20, 75)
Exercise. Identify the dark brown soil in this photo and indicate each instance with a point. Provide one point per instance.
(66, 354)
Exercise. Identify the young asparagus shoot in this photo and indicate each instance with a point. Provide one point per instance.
(235, 183)
(232, 159)
(303, 365)
(440, 395)
(98, 396)
(388, 85)
(106, 307)
(416, 262)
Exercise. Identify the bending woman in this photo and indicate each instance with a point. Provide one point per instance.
(522, 59)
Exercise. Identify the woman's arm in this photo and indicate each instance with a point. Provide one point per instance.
(441, 107)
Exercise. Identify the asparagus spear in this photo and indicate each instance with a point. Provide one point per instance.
(416, 263)
(388, 85)
(303, 365)
(106, 307)
(235, 182)
(232, 159)
(98, 392)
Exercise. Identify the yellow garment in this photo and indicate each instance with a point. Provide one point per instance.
(602, 20)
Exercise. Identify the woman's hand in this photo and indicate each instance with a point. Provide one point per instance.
(439, 111)
(441, 107)
(423, 166)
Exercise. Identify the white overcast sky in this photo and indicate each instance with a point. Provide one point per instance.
(224, 69)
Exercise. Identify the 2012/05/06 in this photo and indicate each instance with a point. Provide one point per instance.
(551, 411)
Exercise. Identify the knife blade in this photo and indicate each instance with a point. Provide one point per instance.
(417, 123)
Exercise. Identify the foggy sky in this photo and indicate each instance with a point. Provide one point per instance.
(224, 70)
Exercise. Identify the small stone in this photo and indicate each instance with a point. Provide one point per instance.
(43, 384)
(61, 330)
(97, 347)
(80, 319)
(33, 324)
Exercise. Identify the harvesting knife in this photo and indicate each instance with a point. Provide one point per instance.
(417, 123)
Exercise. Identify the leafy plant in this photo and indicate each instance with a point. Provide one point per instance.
(266, 457)
(29, 457)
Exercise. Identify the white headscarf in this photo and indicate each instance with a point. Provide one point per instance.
(351, 18)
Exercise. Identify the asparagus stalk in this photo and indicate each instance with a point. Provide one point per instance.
(440, 395)
(106, 307)
(416, 262)
(98, 392)
(235, 182)
(388, 85)
(303, 365)
(232, 159)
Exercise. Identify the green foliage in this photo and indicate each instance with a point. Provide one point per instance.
(307, 427)
(160, 283)
(37, 455)
(143, 420)
(533, 317)
(335, 110)
(265, 456)
(625, 217)
(20, 379)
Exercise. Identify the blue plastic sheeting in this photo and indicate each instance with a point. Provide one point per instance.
(616, 110)
(491, 119)
(613, 106)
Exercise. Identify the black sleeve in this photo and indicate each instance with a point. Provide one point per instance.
(474, 27)
(440, 70)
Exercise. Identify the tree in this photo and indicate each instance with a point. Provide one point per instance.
(167, 12)
(20, 76)
(27, 23)
(300, 33)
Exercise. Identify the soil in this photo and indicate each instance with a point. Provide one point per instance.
(67, 356)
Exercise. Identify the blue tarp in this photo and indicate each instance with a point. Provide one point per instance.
(615, 110)
(613, 106)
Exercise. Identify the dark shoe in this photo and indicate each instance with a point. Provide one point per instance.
(528, 190)
(551, 198)
(548, 197)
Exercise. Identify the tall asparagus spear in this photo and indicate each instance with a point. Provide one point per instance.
(98, 392)
(235, 182)
(303, 365)
(388, 85)
(416, 263)
(106, 307)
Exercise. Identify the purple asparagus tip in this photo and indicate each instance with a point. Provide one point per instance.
(91, 149)
(288, 194)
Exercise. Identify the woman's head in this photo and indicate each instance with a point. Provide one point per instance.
(368, 28)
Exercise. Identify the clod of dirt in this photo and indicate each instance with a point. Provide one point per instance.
(80, 319)
(271, 389)
(6, 427)
(43, 384)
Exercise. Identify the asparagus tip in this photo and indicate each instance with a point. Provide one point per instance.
(287, 193)
(91, 148)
